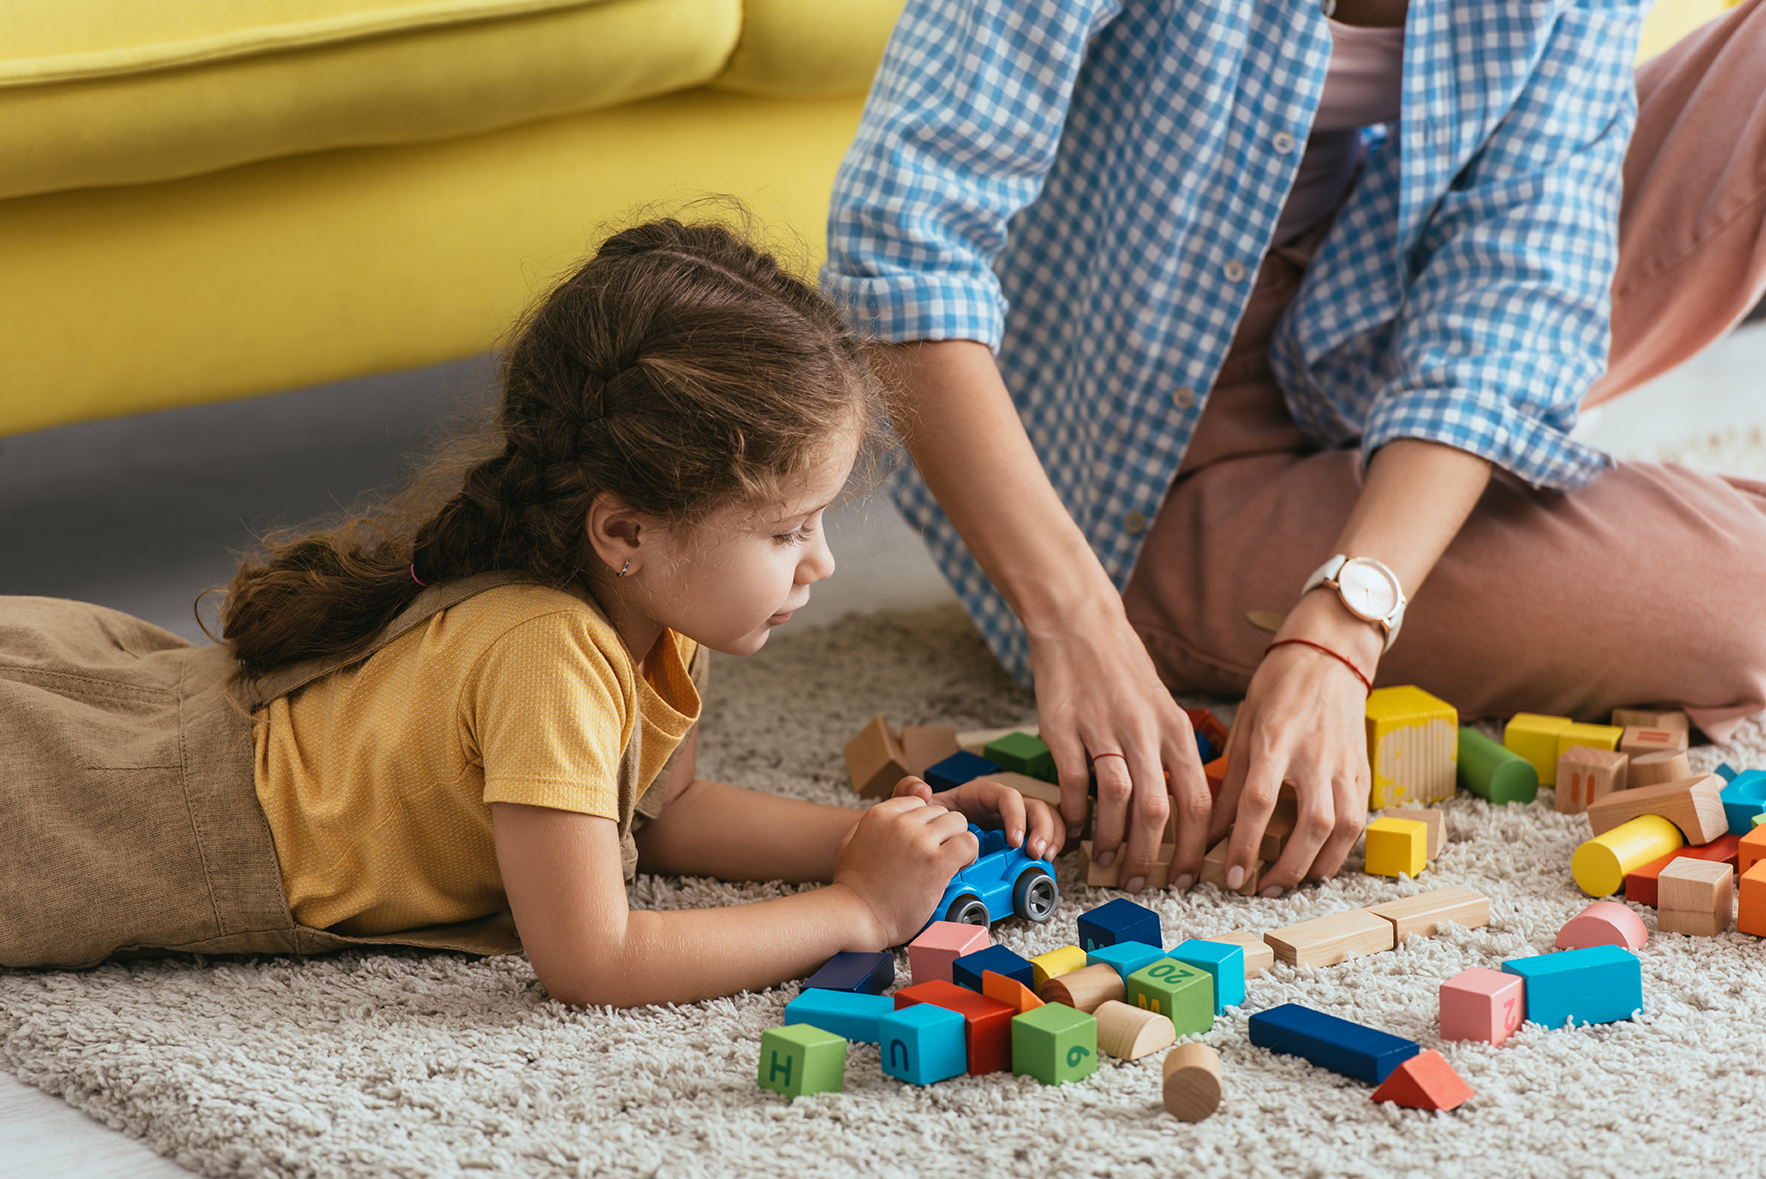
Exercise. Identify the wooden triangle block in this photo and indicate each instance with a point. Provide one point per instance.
(1425, 1081)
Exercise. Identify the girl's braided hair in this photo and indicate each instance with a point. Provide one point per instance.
(680, 369)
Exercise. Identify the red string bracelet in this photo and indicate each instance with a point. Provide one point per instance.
(1123, 756)
(1367, 683)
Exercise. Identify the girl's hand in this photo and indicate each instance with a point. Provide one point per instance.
(1029, 823)
(897, 861)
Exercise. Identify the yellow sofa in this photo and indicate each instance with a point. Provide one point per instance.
(201, 201)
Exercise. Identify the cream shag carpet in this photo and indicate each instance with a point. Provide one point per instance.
(409, 1064)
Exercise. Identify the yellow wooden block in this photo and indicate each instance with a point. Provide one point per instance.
(1054, 964)
(1397, 845)
(1535, 738)
(1412, 746)
(1605, 737)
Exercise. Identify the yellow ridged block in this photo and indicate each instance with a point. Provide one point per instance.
(1535, 738)
(1397, 846)
(1054, 964)
(1601, 865)
(1605, 737)
(1412, 746)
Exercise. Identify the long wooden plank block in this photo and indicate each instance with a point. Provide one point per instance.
(1422, 914)
(1326, 941)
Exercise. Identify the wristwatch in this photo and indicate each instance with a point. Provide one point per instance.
(1369, 590)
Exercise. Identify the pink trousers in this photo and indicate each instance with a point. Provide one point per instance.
(1646, 588)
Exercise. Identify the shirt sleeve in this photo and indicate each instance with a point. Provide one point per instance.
(960, 130)
(1506, 319)
(550, 713)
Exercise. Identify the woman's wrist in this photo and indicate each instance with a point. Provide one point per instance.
(1321, 617)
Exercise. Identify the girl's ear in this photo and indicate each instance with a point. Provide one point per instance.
(616, 533)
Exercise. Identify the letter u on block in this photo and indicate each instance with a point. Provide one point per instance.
(893, 1045)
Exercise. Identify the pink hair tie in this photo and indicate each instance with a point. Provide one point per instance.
(414, 576)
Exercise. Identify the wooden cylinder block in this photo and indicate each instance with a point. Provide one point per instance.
(1129, 1033)
(1086, 988)
(1192, 1082)
(1601, 864)
(1652, 769)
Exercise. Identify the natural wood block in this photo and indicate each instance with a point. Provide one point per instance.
(1214, 870)
(1027, 786)
(1750, 915)
(1281, 826)
(1695, 805)
(1535, 737)
(1643, 739)
(1641, 882)
(1480, 1004)
(927, 745)
(1651, 719)
(1423, 914)
(1592, 736)
(1326, 941)
(1412, 746)
(1425, 1081)
(976, 741)
(875, 760)
(1604, 923)
(1601, 864)
(1429, 816)
(1258, 956)
(1652, 769)
(1054, 964)
(1696, 897)
(1009, 991)
(1586, 774)
(1084, 989)
(1397, 847)
(1109, 875)
(1192, 1082)
(1128, 1033)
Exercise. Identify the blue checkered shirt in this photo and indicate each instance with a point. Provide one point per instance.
(1089, 187)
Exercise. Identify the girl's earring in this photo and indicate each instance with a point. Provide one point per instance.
(624, 569)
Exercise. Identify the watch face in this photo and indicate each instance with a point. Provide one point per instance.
(1367, 590)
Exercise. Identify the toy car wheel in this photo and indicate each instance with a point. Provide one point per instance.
(967, 910)
(1035, 896)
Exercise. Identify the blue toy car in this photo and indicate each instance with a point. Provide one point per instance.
(1002, 881)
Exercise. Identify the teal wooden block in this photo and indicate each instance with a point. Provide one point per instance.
(1225, 964)
(1177, 990)
(798, 1059)
(1054, 1043)
(1023, 754)
(923, 1043)
(1598, 984)
(1126, 957)
(849, 1014)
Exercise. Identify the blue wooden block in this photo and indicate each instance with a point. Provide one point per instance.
(871, 974)
(1205, 749)
(961, 766)
(845, 1013)
(1226, 962)
(1743, 798)
(966, 971)
(1329, 1042)
(923, 1043)
(1726, 772)
(1126, 957)
(1599, 984)
(1119, 921)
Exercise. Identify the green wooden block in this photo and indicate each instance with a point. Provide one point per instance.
(1175, 989)
(1054, 1043)
(1023, 754)
(798, 1059)
(1759, 820)
(1492, 772)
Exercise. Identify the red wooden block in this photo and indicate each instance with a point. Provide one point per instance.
(1604, 923)
(987, 1022)
(1480, 1004)
(1425, 1081)
(1640, 886)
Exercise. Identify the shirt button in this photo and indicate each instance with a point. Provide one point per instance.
(1184, 397)
(1133, 523)
(1234, 271)
(1284, 143)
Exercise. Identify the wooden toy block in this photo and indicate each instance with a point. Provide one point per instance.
(1750, 849)
(1258, 956)
(931, 955)
(1744, 796)
(1430, 817)
(1182, 993)
(987, 1028)
(923, 1043)
(1593, 736)
(1282, 818)
(1600, 984)
(1759, 820)
(851, 1014)
(1214, 870)
(1695, 805)
(1208, 726)
(1640, 739)
(1128, 1033)
(1422, 915)
(1337, 1044)
(1215, 773)
(1601, 864)
(1326, 941)
(1110, 875)
(966, 971)
(1626, 718)
(1695, 897)
(1120, 920)
(1125, 957)
(1586, 774)
(1750, 914)
(870, 973)
(958, 768)
(976, 741)
(798, 1059)
(1053, 964)
(1397, 847)
(1497, 775)
(1022, 754)
(1192, 1082)
(1652, 769)
(1412, 746)
(1604, 923)
(1085, 988)
(1008, 991)
(1535, 738)
(1224, 962)
(1054, 1044)
(1425, 1081)
(1029, 787)
(924, 746)
(875, 760)
(1641, 883)
(1480, 1004)
(1725, 771)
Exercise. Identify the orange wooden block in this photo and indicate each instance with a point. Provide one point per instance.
(1215, 772)
(875, 760)
(1110, 875)
(1192, 1082)
(1604, 923)
(924, 746)
(1647, 718)
(1647, 739)
(1009, 991)
(1696, 897)
(1326, 941)
(1084, 989)
(1423, 914)
(1129, 1033)
(1695, 805)
(1586, 774)
(1750, 849)
(1214, 870)
(1258, 956)
(1430, 817)
(1425, 1081)
(1652, 769)
(1751, 912)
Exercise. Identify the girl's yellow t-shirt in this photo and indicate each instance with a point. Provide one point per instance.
(377, 780)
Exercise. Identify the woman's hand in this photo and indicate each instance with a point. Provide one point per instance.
(1029, 823)
(897, 861)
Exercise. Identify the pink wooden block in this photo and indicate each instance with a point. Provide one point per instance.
(943, 942)
(1479, 1004)
(1604, 923)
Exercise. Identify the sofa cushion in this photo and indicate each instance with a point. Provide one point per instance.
(809, 48)
(104, 92)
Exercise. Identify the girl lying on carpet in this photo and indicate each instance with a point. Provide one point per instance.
(421, 724)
